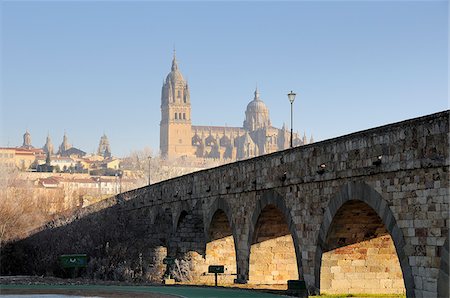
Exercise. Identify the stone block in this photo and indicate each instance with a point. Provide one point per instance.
(340, 284)
(359, 263)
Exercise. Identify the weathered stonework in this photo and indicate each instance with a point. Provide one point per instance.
(407, 191)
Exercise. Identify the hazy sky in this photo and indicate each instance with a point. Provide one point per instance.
(88, 68)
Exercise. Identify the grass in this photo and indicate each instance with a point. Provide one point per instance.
(361, 295)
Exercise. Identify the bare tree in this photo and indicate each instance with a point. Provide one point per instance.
(158, 168)
(19, 213)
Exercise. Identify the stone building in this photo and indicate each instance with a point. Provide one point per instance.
(179, 138)
(48, 147)
(27, 141)
(66, 149)
(103, 147)
(64, 145)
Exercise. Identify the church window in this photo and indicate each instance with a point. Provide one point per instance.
(179, 116)
(184, 99)
(176, 116)
(179, 94)
(184, 116)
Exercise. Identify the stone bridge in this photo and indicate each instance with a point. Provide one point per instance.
(362, 213)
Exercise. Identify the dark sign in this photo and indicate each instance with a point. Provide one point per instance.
(169, 261)
(296, 285)
(216, 269)
(73, 261)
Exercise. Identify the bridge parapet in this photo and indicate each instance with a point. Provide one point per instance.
(412, 144)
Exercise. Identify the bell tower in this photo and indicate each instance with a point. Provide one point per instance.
(175, 126)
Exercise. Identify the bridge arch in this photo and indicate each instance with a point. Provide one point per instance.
(179, 211)
(218, 204)
(443, 279)
(272, 208)
(221, 241)
(366, 197)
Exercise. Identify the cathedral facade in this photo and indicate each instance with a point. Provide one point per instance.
(179, 138)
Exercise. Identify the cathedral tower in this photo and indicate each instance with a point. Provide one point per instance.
(175, 126)
(103, 147)
(48, 147)
(27, 140)
(64, 145)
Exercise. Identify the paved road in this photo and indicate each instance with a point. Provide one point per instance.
(134, 291)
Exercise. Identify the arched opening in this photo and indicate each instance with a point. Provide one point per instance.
(188, 247)
(272, 253)
(359, 255)
(220, 249)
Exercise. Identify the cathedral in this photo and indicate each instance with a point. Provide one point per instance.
(179, 138)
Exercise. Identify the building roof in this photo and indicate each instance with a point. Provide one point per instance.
(49, 182)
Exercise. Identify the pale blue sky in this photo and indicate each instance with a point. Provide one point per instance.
(90, 68)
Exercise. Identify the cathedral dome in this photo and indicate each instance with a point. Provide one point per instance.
(257, 114)
(257, 106)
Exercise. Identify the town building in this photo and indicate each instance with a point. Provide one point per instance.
(20, 158)
(179, 138)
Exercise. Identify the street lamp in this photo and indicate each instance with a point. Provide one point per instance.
(149, 168)
(291, 97)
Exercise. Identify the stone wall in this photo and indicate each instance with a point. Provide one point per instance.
(400, 171)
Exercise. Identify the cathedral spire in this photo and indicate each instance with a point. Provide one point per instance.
(48, 147)
(174, 61)
(256, 93)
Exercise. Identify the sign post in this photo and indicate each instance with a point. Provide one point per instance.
(216, 269)
(169, 262)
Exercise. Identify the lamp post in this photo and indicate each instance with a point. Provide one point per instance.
(117, 182)
(291, 97)
(149, 168)
(120, 180)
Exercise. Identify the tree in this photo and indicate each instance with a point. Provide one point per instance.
(159, 169)
(18, 213)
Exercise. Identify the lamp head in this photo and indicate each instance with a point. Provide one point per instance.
(291, 95)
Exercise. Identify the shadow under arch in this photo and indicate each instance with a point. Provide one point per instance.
(178, 213)
(271, 197)
(359, 191)
(443, 279)
(219, 204)
(220, 238)
(188, 231)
